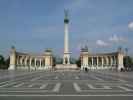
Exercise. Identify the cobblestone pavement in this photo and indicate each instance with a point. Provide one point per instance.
(60, 85)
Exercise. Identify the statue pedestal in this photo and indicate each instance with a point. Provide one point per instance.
(66, 66)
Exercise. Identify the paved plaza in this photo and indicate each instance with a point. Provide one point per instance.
(64, 85)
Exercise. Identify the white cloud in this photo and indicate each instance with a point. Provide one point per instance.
(115, 38)
(130, 26)
(101, 43)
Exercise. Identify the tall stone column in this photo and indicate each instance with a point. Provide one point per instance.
(35, 64)
(17, 61)
(40, 62)
(92, 61)
(107, 61)
(115, 60)
(50, 61)
(97, 62)
(12, 59)
(120, 56)
(30, 61)
(102, 61)
(84, 56)
(66, 57)
(30, 66)
(111, 63)
(22, 61)
(26, 61)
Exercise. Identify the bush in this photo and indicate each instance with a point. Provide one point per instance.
(128, 63)
(4, 64)
(78, 63)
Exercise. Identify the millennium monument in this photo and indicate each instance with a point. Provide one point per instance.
(66, 57)
(44, 61)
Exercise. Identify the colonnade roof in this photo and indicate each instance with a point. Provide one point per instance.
(29, 54)
(100, 54)
(104, 54)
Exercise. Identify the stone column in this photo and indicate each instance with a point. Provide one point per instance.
(47, 61)
(84, 56)
(115, 62)
(120, 56)
(35, 63)
(40, 62)
(112, 65)
(50, 61)
(102, 61)
(30, 61)
(92, 62)
(111, 61)
(85, 59)
(97, 62)
(107, 61)
(26, 61)
(66, 56)
(22, 63)
(21, 60)
(17, 60)
(12, 59)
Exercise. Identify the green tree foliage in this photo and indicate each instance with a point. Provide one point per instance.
(59, 60)
(78, 63)
(7, 63)
(54, 61)
(128, 62)
(72, 60)
(1, 60)
(4, 64)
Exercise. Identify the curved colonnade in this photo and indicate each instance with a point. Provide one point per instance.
(102, 61)
(30, 61)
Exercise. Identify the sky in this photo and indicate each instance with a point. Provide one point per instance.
(35, 25)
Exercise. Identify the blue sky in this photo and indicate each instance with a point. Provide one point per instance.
(34, 25)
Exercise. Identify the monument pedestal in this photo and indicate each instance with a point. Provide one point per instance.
(66, 67)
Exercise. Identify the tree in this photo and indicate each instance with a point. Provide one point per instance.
(7, 63)
(128, 63)
(58, 60)
(54, 61)
(2, 62)
(78, 63)
(72, 60)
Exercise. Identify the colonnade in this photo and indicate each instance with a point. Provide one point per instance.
(101, 61)
(30, 61)
(27, 62)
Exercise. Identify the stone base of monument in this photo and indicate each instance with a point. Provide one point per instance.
(66, 67)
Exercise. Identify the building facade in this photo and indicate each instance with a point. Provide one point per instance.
(112, 61)
(29, 61)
